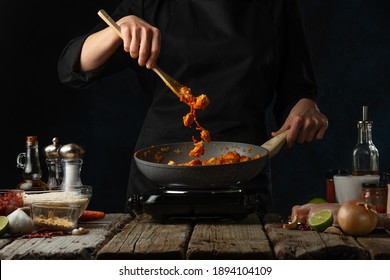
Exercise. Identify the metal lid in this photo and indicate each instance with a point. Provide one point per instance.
(71, 151)
(51, 151)
(369, 185)
(374, 185)
(364, 121)
(331, 172)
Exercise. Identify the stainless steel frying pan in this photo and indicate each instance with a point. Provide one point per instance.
(208, 176)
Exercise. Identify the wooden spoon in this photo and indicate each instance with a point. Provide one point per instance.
(174, 85)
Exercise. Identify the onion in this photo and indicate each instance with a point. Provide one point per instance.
(357, 218)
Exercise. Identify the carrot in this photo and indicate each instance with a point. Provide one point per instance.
(91, 215)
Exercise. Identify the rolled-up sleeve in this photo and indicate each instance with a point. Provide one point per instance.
(295, 75)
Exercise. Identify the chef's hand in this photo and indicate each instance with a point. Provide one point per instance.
(306, 123)
(140, 39)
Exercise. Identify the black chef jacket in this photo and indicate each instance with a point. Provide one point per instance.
(242, 54)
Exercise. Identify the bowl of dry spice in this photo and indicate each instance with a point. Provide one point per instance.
(55, 216)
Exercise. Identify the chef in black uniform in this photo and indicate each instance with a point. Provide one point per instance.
(242, 54)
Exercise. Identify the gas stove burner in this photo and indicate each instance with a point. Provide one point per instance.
(207, 191)
(220, 203)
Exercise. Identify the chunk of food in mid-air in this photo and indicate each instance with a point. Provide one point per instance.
(195, 103)
(198, 150)
(201, 102)
(205, 135)
(188, 119)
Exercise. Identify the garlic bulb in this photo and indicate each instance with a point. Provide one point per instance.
(20, 222)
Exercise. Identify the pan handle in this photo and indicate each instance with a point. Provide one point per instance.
(275, 144)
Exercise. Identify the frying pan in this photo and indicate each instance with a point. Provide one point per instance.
(205, 176)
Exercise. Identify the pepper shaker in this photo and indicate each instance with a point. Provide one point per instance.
(54, 165)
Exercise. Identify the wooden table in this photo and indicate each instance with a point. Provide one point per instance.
(120, 236)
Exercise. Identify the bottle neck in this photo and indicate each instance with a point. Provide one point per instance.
(364, 132)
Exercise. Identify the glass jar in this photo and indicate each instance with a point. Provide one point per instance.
(72, 169)
(375, 194)
(330, 190)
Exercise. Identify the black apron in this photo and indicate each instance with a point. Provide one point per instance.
(226, 50)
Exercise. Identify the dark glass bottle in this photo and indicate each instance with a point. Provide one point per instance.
(32, 172)
(365, 156)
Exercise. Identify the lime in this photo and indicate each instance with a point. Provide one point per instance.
(4, 224)
(318, 200)
(320, 221)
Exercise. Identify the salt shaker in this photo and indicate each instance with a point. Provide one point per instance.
(72, 162)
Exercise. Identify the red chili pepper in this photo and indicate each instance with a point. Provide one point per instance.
(90, 215)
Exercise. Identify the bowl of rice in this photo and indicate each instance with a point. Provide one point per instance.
(77, 195)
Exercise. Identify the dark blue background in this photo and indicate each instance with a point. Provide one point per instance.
(349, 41)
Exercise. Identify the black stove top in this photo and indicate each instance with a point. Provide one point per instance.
(175, 203)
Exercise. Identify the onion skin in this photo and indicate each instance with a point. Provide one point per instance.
(357, 218)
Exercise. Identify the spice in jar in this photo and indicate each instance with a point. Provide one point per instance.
(375, 194)
(330, 190)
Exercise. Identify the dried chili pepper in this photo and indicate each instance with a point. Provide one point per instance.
(43, 233)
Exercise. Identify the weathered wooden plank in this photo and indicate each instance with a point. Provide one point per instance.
(69, 246)
(295, 244)
(298, 244)
(378, 245)
(343, 247)
(5, 240)
(229, 240)
(144, 238)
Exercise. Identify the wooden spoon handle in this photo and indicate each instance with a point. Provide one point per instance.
(110, 22)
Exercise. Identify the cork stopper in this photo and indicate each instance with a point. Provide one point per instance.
(31, 140)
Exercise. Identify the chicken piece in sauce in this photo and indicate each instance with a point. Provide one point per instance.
(205, 135)
(231, 157)
(195, 103)
(201, 102)
(198, 150)
(188, 119)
